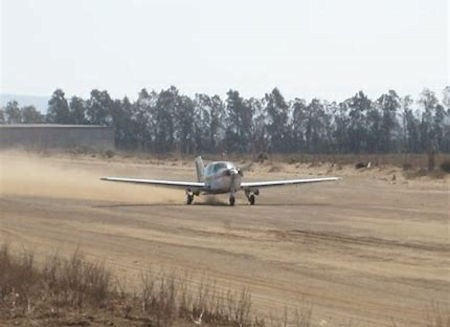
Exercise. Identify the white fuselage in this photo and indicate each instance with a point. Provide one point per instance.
(221, 177)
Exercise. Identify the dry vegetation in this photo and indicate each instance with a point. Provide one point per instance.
(75, 291)
(413, 165)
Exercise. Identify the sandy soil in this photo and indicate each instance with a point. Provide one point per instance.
(367, 249)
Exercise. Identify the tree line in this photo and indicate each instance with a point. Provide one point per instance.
(168, 121)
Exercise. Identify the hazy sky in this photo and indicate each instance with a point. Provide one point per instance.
(324, 48)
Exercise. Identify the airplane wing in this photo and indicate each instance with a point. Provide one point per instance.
(157, 182)
(257, 185)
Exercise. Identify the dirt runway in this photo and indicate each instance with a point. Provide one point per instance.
(364, 250)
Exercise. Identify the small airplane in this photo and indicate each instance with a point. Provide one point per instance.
(219, 177)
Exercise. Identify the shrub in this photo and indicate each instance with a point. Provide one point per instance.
(407, 166)
(437, 173)
(275, 169)
(109, 153)
(411, 174)
(262, 157)
(445, 166)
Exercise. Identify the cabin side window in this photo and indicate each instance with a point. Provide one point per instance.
(219, 166)
(209, 169)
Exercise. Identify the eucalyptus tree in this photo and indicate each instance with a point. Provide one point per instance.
(429, 103)
(143, 115)
(99, 108)
(30, 115)
(389, 104)
(299, 120)
(125, 127)
(77, 110)
(239, 123)
(165, 109)
(358, 106)
(410, 126)
(189, 125)
(13, 113)
(209, 121)
(58, 109)
(277, 112)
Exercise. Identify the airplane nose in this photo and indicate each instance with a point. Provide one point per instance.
(231, 172)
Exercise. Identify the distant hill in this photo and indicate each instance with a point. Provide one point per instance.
(40, 102)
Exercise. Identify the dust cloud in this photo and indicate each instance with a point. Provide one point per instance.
(24, 174)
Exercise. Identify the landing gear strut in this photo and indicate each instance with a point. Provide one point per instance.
(232, 190)
(251, 196)
(189, 197)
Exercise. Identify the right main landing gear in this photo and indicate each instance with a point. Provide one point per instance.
(251, 196)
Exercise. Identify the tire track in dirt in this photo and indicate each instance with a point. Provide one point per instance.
(338, 238)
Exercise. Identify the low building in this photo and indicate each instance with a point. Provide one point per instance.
(54, 136)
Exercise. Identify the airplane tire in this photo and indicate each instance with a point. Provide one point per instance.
(189, 199)
(232, 200)
(251, 199)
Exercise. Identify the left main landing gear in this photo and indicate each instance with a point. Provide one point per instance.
(232, 200)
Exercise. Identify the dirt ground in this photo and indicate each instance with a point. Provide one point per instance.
(367, 250)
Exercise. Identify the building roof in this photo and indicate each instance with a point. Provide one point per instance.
(50, 126)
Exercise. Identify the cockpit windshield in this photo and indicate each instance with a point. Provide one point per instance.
(215, 167)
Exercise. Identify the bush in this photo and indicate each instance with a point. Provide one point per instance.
(262, 157)
(407, 166)
(275, 169)
(411, 174)
(109, 153)
(437, 174)
(445, 166)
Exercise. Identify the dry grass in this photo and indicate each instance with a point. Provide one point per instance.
(275, 169)
(436, 173)
(438, 316)
(407, 161)
(73, 283)
(411, 160)
(62, 291)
